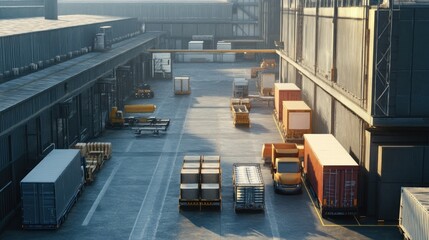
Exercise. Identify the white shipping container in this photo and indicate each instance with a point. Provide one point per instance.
(414, 212)
(182, 85)
(267, 80)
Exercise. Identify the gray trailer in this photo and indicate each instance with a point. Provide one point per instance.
(249, 188)
(49, 191)
(414, 212)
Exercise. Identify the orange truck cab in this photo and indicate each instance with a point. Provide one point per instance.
(287, 175)
(286, 168)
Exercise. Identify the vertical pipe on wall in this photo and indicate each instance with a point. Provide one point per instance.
(334, 43)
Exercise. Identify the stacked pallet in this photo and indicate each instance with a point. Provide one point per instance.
(104, 147)
(94, 155)
(241, 101)
(240, 115)
(200, 182)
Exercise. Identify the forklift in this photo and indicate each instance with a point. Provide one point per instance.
(143, 91)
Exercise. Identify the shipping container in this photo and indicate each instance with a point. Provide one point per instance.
(284, 92)
(266, 83)
(182, 85)
(414, 213)
(249, 188)
(297, 119)
(49, 191)
(332, 174)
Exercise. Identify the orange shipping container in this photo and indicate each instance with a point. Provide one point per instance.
(285, 92)
(332, 173)
(296, 119)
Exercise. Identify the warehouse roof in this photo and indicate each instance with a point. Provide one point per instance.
(17, 26)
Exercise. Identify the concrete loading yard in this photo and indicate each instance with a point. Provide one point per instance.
(135, 195)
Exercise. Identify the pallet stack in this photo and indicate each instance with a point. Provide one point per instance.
(241, 101)
(240, 115)
(201, 182)
(94, 154)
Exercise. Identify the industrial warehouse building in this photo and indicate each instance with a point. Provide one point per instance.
(361, 68)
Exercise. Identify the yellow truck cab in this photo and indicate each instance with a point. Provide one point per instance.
(287, 175)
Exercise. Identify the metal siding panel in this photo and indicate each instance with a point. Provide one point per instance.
(190, 29)
(324, 48)
(4, 149)
(389, 195)
(18, 143)
(400, 91)
(322, 112)
(206, 29)
(307, 92)
(291, 49)
(308, 39)
(420, 96)
(350, 43)
(348, 129)
(420, 48)
(400, 164)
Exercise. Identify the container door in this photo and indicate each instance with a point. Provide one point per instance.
(299, 120)
(185, 84)
(47, 203)
(331, 187)
(349, 192)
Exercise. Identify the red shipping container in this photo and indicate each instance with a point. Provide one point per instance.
(332, 173)
(285, 92)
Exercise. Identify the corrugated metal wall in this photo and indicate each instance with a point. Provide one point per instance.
(348, 130)
(308, 41)
(410, 55)
(18, 51)
(350, 53)
(324, 47)
(195, 12)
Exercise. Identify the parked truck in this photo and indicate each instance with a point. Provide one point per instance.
(135, 116)
(332, 174)
(249, 187)
(414, 212)
(49, 191)
(286, 168)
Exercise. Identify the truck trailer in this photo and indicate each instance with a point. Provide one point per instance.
(414, 212)
(49, 191)
(332, 174)
(249, 187)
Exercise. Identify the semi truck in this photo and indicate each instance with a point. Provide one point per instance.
(286, 168)
(49, 191)
(249, 187)
(332, 174)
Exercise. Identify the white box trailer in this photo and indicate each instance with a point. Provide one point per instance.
(182, 85)
(414, 212)
(161, 65)
(249, 188)
(49, 191)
